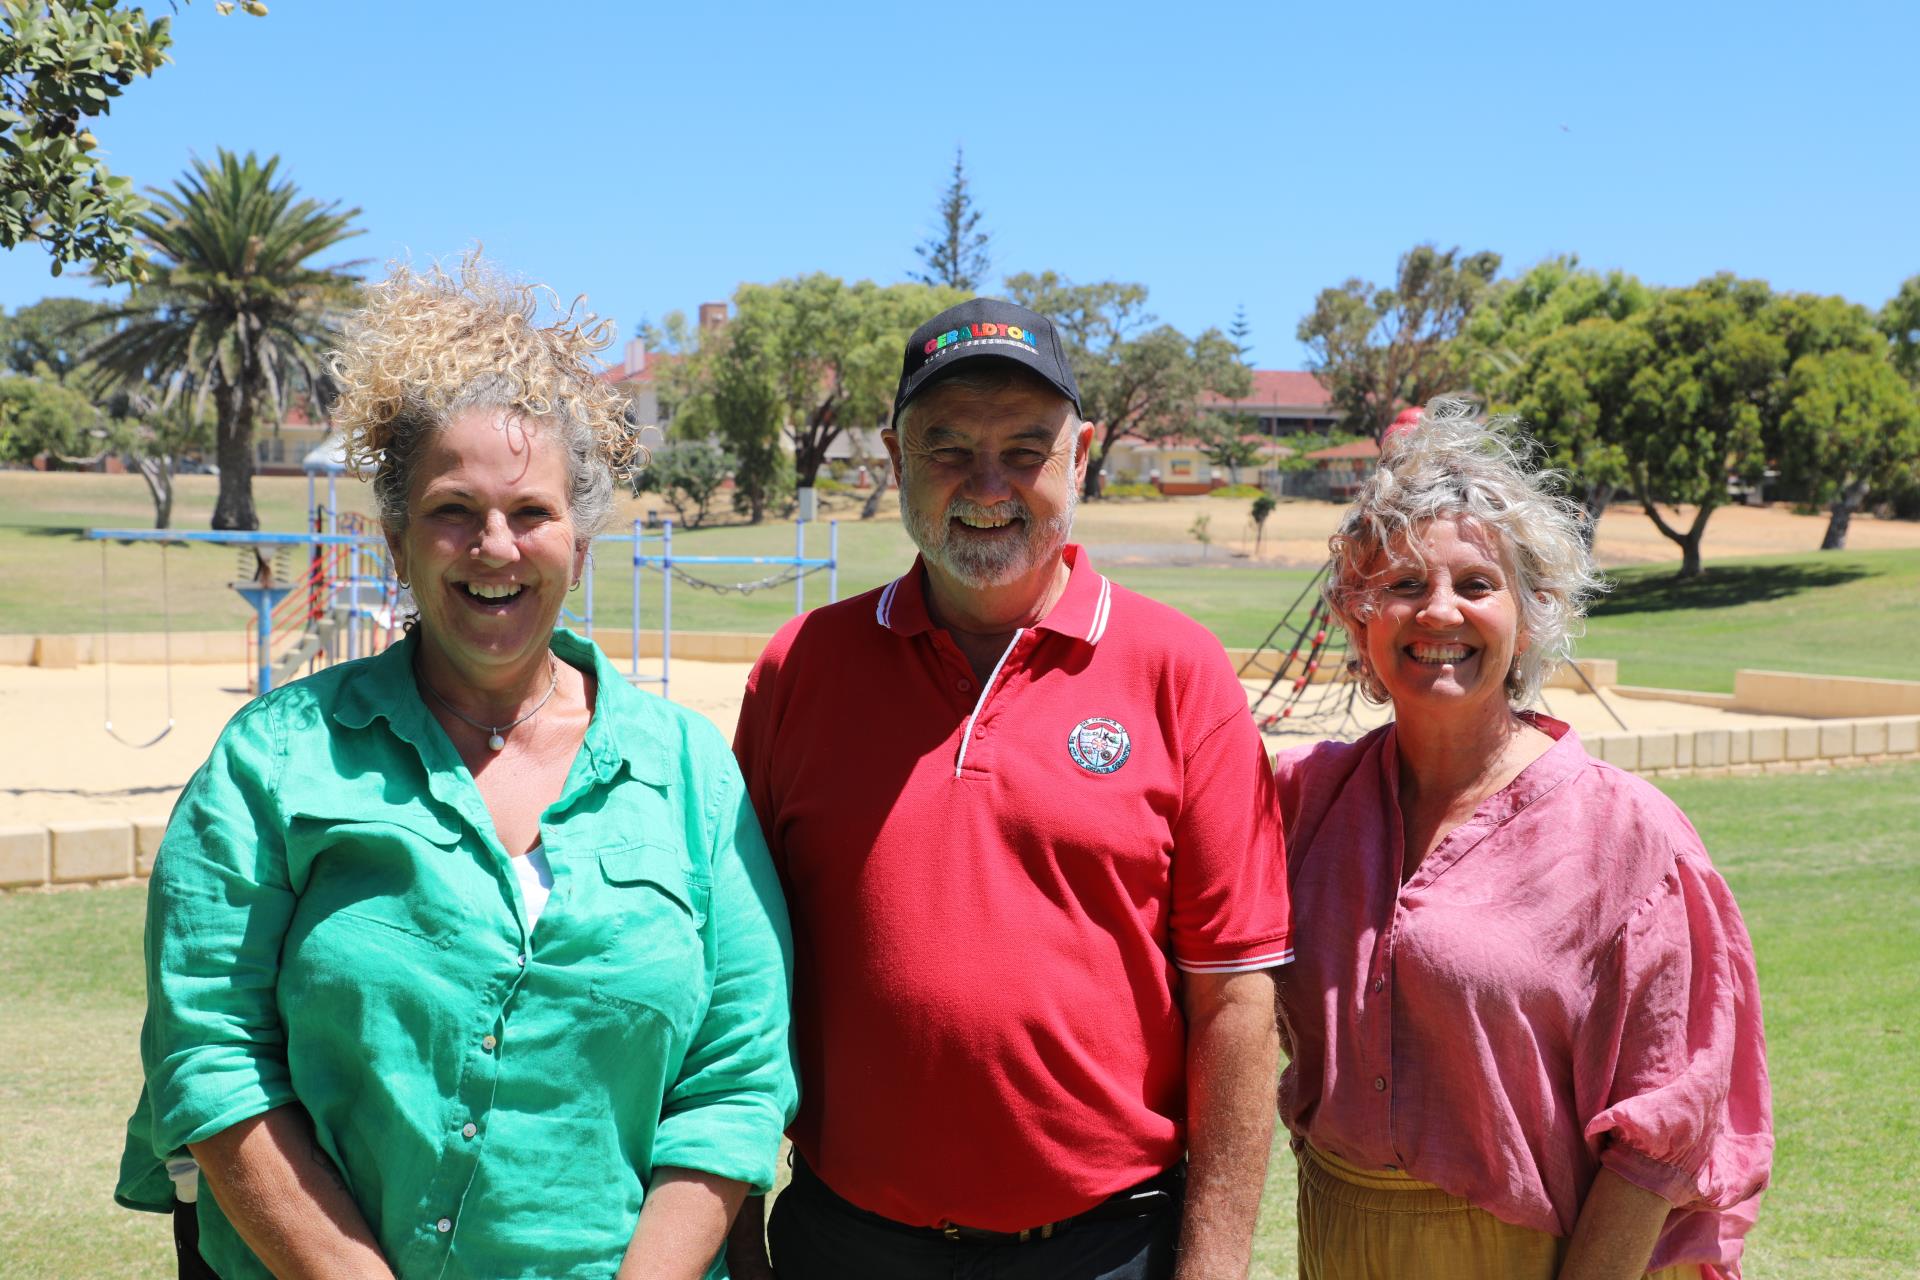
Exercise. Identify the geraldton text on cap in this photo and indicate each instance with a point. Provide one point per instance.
(985, 329)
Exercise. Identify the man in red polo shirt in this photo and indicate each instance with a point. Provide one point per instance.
(1031, 847)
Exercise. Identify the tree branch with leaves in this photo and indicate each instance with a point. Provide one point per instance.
(61, 66)
(1138, 378)
(1377, 350)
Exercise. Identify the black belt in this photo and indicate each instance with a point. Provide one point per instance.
(1160, 1192)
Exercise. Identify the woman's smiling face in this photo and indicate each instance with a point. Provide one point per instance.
(489, 546)
(1445, 624)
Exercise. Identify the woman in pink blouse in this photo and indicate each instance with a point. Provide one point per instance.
(1524, 1023)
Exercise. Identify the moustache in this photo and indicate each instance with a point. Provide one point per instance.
(1010, 509)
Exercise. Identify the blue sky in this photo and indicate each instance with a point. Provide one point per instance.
(656, 156)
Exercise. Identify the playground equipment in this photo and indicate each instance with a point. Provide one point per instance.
(106, 651)
(347, 603)
(1304, 646)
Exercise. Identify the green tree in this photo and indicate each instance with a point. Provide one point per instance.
(1259, 513)
(1548, 297)
(1900, 321)
(688, 473)
(1572, 393)
(232, 305)
(724, 389)
(1202, 531)
(62, 64)
(42, 417)
(1241, 332)
(833, 352)
(1699, 402)
(155, 430)
(1551, 345)
(50, 338)
(1851, 425)
(1377, 350)
(955, 256)
(1225, 439)
(1137, 378)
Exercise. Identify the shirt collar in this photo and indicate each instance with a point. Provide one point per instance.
(626, 727)
(1081, 612)
(1554, 766)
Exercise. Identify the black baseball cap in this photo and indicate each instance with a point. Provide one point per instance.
(984, 327)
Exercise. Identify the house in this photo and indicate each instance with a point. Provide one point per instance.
(1180, 465)
(1337, 472)
(639, 369)
(1283, 402)
(280, 449)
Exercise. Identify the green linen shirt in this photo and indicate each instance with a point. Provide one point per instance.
(332, 921)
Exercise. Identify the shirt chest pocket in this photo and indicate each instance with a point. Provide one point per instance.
(652, 959)
(396, 869)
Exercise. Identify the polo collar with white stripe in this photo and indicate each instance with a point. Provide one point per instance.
(1081, 612)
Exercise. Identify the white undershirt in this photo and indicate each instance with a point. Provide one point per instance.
(536, 881)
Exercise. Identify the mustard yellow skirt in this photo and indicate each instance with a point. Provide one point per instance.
(1378, 1224)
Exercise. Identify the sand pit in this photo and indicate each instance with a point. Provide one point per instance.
(60, 765)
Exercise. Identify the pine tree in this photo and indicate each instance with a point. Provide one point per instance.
(1240, 331)
(957, 255)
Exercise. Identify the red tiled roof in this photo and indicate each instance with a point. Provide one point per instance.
(654, 362)
(1279, 388)
(1358, 449)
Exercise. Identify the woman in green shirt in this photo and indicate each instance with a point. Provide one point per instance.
(466, 959)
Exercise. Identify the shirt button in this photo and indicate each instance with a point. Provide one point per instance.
(979, 733)
(468, 1129)
(1380, 1083)
(443, 1226)
(1379, 984)
(963, 685)
(520, 960)
(488, 1043)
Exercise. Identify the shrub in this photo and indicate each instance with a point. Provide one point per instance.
(1133, 491)
(1237, 491)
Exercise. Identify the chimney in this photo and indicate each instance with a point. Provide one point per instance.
(713, 315)
(636, 361)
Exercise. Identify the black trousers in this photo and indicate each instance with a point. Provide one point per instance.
(817, 1235)
(186, 1243)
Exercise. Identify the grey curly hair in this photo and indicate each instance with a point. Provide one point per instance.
(1458, 464)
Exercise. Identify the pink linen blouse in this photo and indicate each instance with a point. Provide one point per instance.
(1564, 984)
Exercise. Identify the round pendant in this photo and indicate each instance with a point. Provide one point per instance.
(496, 742)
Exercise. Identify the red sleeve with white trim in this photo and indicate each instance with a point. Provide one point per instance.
(1230, 910)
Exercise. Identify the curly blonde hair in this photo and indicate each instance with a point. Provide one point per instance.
(429, 345)
(1457, 464)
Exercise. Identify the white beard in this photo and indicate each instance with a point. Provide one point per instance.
(987, 562)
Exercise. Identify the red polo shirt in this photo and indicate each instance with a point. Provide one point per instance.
(992, 891)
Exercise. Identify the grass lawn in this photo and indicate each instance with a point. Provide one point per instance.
(1830, 904)
(1834, 613)
(53, 573)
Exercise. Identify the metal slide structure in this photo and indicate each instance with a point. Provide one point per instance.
(345, 602)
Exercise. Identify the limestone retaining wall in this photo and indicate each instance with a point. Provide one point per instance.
(1816, 744)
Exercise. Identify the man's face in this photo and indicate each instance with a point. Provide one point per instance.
(989, 479)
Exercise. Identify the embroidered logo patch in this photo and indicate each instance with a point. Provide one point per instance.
(1099, 745)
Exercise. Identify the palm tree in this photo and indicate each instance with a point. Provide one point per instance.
(230, 306)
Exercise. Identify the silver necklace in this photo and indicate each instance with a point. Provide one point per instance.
(496, 733)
